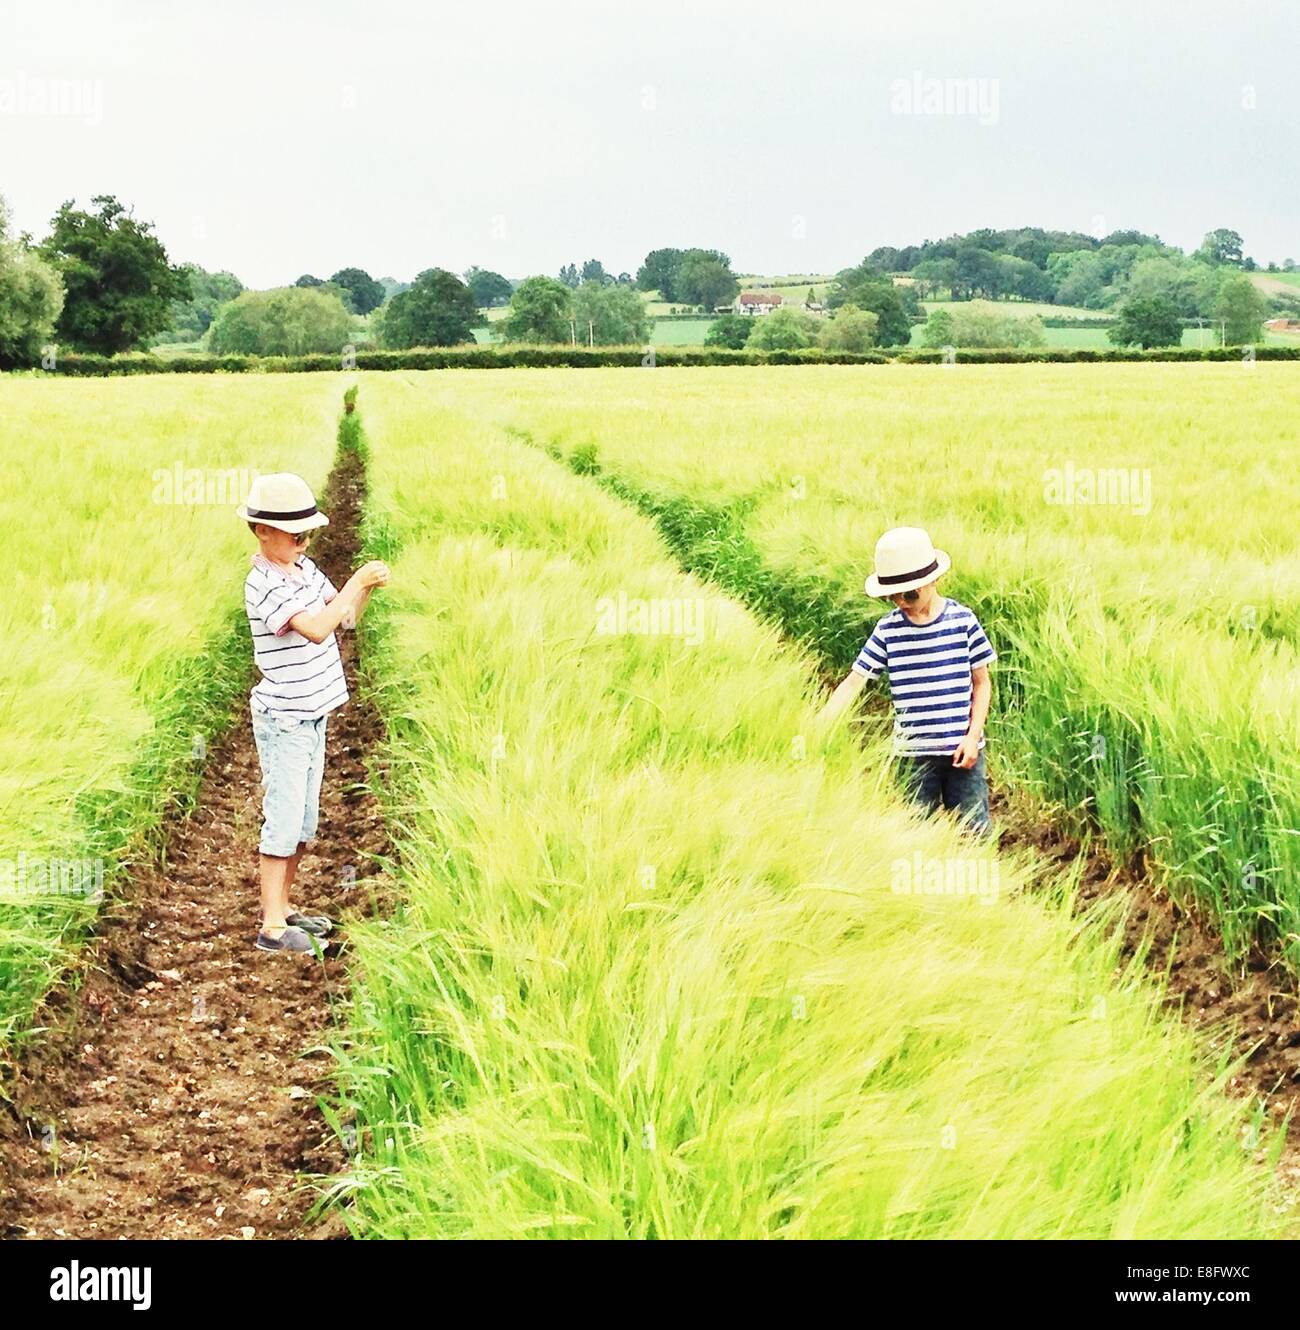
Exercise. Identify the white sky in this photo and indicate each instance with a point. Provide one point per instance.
(279, 139)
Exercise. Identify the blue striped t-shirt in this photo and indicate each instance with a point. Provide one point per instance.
(300, 679)
(929, 667)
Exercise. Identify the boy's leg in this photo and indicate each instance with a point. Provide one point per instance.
(284, 750)
(290, 874)
(272, 870)
(922, 779)
(966, 792)
(311, 807)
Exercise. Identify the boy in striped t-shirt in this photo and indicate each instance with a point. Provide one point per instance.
(293, 610)
(937, 658)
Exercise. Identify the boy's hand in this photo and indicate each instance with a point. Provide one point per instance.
(968, 752)
(839, 701)
(372, 574)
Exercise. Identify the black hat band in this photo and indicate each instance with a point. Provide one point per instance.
(269, 516)
(908, 577)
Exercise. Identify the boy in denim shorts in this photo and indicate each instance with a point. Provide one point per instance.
(937, 658)
(293, 610)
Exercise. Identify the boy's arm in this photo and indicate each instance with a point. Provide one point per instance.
(872, 661)
(348, 605)
(842, 698)
(351, 620)
(982, 656)
(968, 751)
(981, 696)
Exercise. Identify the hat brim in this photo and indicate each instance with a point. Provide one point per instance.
(874, 587)
(293, 526)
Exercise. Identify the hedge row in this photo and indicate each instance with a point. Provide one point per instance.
(460, 357)
(1047, 320)
(1091, 321)
(1064, 355)
(496, 357)
(1085, 321)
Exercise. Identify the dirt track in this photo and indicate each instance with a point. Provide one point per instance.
(175, 1096)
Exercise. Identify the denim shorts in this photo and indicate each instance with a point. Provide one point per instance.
(292, 754)
(933, 782)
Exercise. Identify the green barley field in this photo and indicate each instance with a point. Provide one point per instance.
(664, 959)
(657, 974)
(1150, 647)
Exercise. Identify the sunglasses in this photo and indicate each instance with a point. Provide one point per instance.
(300, 537)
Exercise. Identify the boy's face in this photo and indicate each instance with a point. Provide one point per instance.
(918, 601)
(279, 546)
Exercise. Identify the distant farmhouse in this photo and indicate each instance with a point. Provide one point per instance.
(757, 302)
(1283, 325)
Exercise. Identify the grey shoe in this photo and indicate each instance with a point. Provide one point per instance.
(288, 939)
(320, 924)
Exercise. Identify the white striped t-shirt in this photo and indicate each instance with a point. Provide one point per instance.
(929, 667)
(300, 678)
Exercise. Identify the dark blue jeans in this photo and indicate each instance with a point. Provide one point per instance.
(933, 782)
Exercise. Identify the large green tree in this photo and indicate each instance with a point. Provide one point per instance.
(852, 329)
(939, 330)
(1167, 277)
(1024, 280)
(487, 288)
(979, 272)
(1220, 246)
(933, 276)
(1146, 321)
(285, 321)
(782, 330)
(704, 277)
(1080, 278)
(731, 330)
(31, 296)
(610, 315)
(438, 310)
(366, 293)
(119, 285)
(539, 312)
(866, 289)
(658, 272)
(1242, 311)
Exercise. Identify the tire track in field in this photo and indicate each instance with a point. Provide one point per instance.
(1251, 1012)
(175, 1094)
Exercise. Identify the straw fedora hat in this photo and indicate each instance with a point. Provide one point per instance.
(284, 501)
(905, 560)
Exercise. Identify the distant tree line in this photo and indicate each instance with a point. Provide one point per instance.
(102, 282)
(593, 270)
(1068, 267)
